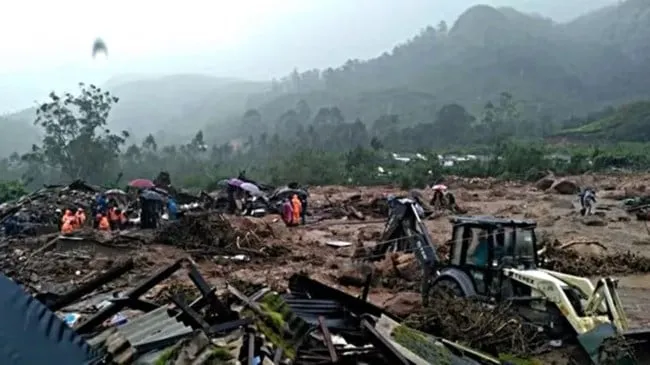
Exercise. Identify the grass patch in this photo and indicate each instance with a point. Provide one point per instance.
(422, 345)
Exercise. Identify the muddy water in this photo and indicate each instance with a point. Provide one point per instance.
(634, 291)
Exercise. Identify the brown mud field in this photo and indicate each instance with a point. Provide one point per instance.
(344, 220)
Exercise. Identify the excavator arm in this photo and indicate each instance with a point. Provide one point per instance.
(601, 317)
(606, 295)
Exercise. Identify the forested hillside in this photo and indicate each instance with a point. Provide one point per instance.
(552, 71)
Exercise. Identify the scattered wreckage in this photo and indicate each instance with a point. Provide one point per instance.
(311, 324)
(497, 261)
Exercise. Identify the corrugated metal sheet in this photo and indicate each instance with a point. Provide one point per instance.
(154, 326)
(31, 334)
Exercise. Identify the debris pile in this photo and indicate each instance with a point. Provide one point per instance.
(496, 330)
(209, 234)
(563, 259)
(36, 213)
(60, 263)
(313, 324)
(356, 207)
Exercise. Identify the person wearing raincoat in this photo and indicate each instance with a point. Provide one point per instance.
(114, 217)
(587, 201)
(67, 227)
(124, 220)
(287, 212)
(70, 219)
(101, 204)
(104, 223)
(303, 211)
(297, 209)
(172, 209)
(81, 216)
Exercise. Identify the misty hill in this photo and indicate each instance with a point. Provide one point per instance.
(172, 107)
(628, 122)
(18, 132)
(552, 69)
(178, 104)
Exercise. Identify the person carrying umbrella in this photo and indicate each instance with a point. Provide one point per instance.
(150, 203)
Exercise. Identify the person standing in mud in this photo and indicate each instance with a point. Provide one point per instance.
(232, 206)
(145, 213)
(287, 212)
(587, 201)
(297, 209)
(303, 211)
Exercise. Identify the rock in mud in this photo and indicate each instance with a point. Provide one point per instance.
(403, 304)
(593, 221)
(545, 183)
(565, 187)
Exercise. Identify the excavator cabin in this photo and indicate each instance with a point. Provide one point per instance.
(482, 246)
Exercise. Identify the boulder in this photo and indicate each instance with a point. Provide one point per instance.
(545, 183)
(565, 187)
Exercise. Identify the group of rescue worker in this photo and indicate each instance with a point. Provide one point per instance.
(294, 211)
(71, 221)
(107, 216)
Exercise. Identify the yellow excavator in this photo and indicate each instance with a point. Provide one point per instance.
(497, 261)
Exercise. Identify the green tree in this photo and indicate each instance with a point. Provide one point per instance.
(76, 137)
(454, 123)
(11, 190)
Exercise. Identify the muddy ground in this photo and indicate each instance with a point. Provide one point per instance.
(274, 252)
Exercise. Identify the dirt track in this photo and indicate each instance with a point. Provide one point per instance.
(307, 249)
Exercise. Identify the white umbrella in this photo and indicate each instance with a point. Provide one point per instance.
(251, 188)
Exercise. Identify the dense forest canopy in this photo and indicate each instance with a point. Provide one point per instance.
(494, 77)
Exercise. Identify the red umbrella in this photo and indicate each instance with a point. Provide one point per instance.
(142, 183)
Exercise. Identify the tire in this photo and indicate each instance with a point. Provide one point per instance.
(447, 286)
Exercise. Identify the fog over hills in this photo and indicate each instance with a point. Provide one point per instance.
(561, 67)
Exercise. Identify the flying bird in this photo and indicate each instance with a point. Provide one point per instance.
(99, 46)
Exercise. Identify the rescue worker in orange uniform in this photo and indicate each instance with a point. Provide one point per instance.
(81, 217)
(297, 209)
(65, 216)
(67, 227)
(104, 223)
(69, 220)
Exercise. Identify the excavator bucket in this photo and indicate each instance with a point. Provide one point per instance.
(639, 342)
(605, 345)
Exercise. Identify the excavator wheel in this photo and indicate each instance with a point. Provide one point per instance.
(445, 287)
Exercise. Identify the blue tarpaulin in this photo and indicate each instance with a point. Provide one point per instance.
(31, 334)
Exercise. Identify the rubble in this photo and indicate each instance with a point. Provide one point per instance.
(311, 323)
(496, 330)
(36, 213)
(209, 234)
(260, 251)
(566, 260)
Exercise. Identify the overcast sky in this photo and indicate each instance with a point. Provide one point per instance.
(47, 45)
